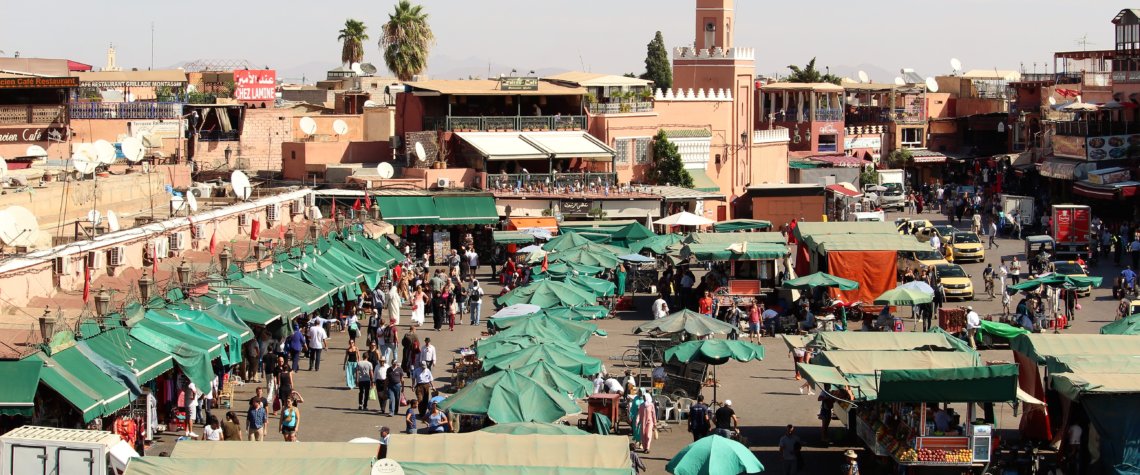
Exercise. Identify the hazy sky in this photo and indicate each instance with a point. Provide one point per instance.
(299, 37)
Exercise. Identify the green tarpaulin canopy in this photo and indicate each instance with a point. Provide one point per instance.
(578, 313)
(1038, 346)
(568, 358)
(824, 243)
(822, 374)
(904, 296)
(600, 248)
(1001, 330)
(573, 331)
(714, 455)
(506, 344)
(715, 352)
(513, 237)
(734, 225)
(565, 241)
(408, 210)
(1109, 364)
(533, 428)
(18, 393)
(261, 293)
(508, 396)
(744, 251)
(936, 340)
(541, 330)
(729, 238)
(559, 269)
(466, 210)
(632, 232)
(656, 244)
(1129, 325)
(73, 387)
(192, 351)
(558, 379)
(343, 256)
(867, 362)
(117, 346)
(1070, 281)
(997, 383)
(820, 279)
(208, 327)
(812, 228)
(111, 394)
(686, 321)
(599, 287)
(548, 293)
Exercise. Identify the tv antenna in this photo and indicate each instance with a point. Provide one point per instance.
(1084, 42)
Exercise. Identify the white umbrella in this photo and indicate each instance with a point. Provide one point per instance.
(684, 218)
(541, 233)
(529, 249)
(516, 310)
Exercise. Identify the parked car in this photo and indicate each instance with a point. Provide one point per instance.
(967, 247)
(1071, 268)
(955, 281)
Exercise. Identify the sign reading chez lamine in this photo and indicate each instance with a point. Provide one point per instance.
(53, 134)
(575, 207)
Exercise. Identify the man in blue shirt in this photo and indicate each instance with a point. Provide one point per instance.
(1129, 277)
(255, 419)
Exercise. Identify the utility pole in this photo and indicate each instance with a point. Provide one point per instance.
(152, 45)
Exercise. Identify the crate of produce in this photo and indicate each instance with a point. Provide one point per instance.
(953, 320)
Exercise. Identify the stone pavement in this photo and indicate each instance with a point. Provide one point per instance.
(764, 393)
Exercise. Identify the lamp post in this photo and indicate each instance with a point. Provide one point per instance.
(290, 238)
(340, 220)
(102, 304)
(375, 212)
(314, 230)
(184, 273)
(229, 152)
(224, 260)
(47, 325)
(145, 284)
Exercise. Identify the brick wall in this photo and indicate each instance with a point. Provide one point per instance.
(262, 134)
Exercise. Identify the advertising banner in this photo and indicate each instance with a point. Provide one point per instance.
(255, 85)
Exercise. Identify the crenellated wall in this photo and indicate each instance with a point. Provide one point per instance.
(682, 94)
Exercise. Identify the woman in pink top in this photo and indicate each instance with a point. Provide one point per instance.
(754, 323)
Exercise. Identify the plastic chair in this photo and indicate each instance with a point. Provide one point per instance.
(683, 405)
(665, 407)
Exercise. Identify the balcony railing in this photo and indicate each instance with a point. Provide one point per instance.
(126, 110)
(621, 107)
(1059, 78)
(33, 114)
(1083, 128)
(555, 183)
(778, 134)
(828, 115)
(1126, 76)
(516, 122)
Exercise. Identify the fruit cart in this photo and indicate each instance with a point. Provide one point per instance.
(910, 441)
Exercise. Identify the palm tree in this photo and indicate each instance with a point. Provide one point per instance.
(352, 38)
(407, 39)
(810, 74)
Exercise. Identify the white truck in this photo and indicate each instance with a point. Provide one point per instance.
(38, 450)
(893, 194)
(1023, 205)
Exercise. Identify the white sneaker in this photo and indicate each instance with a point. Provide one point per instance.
(192, 435)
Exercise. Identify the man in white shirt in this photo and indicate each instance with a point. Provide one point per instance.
(660, 308)
(599, 383)
(472, 260)
(973, 323)
(317, 339)
(936, 243)
(427, 354)
(613, 386)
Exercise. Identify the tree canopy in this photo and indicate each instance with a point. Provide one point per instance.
(352, 38)
(407, 40)
(667, 169)
(657, 68)
(809, 74)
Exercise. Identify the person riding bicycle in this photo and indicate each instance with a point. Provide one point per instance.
(1129, 277)
(988, 278)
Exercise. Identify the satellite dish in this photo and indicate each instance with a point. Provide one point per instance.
(18, 226)
(340, 127)
(104, 152)
(36, 151)
(94, 217)
(356, 69)
(240, 184)
(955, 65)
(133, 149)
(899, 81)
(385, 170)
(3, 168)
(863, 77)
(308, 125)
(113, 221)
(371, 104)
(421, 155)
(192, 201)
(1052, 101)
(82, 162)
(368, 68)
(931, 84)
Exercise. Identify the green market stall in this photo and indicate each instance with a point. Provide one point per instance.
(738, 225)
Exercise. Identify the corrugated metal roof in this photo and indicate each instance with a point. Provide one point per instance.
(677, 193)
(687, 133)
(490, 87)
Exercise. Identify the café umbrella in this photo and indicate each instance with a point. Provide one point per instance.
(565, 241)
(546, 327)
(543, 318)
(714, 455)
(548, 293)
(508, 396)
(904, 296)
(583, 255)
(569, 358)
(820, 279)
(715, 352)
(499, 345)
(687, 321)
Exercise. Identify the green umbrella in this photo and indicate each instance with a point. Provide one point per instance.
(686, 321)
(533, 428)
(714, 455)
(499, 345)
(561, 269)
(600, 248)
(565, 241)
(1070, 281)
(632, 232)
(508, 396)
(526, 323)
(558, 379)
(715, 352)
(583, 255)
(581, 312)
(904, 296)
(1129, 325)
(657, 244)
(600, 287)
(548, 293)
(569, 358)
(820, 279)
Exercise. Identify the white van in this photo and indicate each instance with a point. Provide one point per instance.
(33, 450)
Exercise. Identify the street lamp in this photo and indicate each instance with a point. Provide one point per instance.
(290, 238)
(375, 212)
(314, 230)
(184, 272)
(340, 220)
(224, 260)
(145, 284)
(47, 325)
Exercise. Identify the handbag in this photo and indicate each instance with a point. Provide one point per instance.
(403, 400)
(372, 394)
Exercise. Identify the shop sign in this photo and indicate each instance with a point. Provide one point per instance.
(38, 82)
(49, 134)
(1070, 147)
(863, 141)
(167, 129)
(255, 85)
(518, 84)
(575, 207)
(1112, 146)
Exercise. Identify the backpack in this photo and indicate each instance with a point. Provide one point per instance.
(698, 414)
(389, 335)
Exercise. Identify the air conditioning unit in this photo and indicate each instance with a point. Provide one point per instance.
(243, 220)
(177, 241)
(161, 248)
(197, 231)
(298, 206)
(310, 200)
(201, 190)
(95, 259)
(117, 256)
(272, 211)
(443, 182)
(61, 265)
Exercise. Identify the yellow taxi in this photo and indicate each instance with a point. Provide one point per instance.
(1073, 269)
(955, 281)
(921, 229)
(967, 247)
(916, 260)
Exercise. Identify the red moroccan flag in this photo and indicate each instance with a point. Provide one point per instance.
(154, 260)
(367, 201)
(332, 214)
(545, 264)
(86, 284)
(356, 205)
(214, 242)
(281, 232)
(255, 230)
